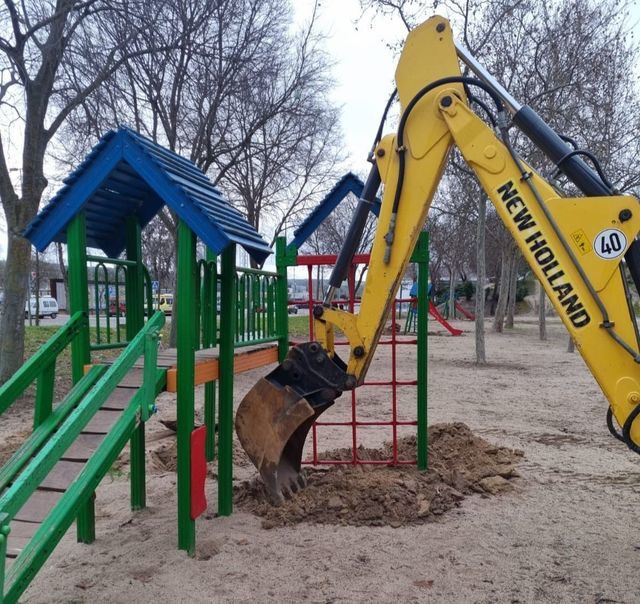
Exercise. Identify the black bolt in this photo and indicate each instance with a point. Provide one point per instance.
(319, 359)
(446, 101)
(318, 311)
(380, 152)
(314, 347)
(295, 375)
(625, 215)
(440, 27)
(358, 351)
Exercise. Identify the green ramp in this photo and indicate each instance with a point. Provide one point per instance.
(55, 472)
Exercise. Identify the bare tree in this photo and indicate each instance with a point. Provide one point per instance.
(244, 96)
(542, 314)
(40, 45)
(481, 353)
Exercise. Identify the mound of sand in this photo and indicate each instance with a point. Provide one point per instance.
(460, 463)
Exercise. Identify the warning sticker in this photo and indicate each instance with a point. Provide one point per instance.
(582, 243)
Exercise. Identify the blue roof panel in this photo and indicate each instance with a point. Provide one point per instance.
(349, 183)
(127, 174)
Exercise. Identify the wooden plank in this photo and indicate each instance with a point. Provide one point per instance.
(21, 533)
(207, 368)
(62, 475)
(254, 359)
(133, 379)
(102, 422)
(83, 447)
(119, 399)
(38, 506)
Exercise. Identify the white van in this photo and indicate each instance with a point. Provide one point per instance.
(48, 307)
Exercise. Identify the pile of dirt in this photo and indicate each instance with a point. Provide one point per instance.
(460, 463)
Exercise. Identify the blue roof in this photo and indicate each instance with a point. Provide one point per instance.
(125, 174)
(349, 183)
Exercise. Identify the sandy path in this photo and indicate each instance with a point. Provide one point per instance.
(569, 532)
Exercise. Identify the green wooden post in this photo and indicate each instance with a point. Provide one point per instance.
(226, 362)
(44, 394)
(284, 259)
(421, 256)
(4, 535)
(134, 298)
(80, 351)
(186, 297)
(209, 311)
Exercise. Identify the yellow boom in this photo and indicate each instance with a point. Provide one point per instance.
(574, 246)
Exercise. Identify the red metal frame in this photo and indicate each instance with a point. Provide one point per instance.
(311, 261)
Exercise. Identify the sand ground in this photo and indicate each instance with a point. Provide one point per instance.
(568, 532)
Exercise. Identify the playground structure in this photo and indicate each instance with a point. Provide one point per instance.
(411, 322)
(106, 202)
(50, 481)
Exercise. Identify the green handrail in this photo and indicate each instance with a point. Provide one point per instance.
(40, 435)
(41, 361)
(36, 469)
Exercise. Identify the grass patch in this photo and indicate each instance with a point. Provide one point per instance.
(298, 326)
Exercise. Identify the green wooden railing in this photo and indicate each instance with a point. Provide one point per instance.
(110, 316)
(256, 293)
(41, 368)
(256, 305)
(34, 460)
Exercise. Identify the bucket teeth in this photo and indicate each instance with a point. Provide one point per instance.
(274, 418)
(272, 424)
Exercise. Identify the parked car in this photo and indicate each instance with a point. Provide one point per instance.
(48, 307)
(122, 306)
(165, 303)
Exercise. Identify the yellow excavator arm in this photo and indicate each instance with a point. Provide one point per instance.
(578, 249)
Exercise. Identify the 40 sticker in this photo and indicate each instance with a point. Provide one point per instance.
(610, 243)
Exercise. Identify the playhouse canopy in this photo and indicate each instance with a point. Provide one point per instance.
(127, 174)
(349, 183)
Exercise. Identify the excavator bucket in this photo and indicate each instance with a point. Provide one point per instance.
(274, 418)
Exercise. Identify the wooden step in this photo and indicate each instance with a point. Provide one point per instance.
(62, 475)
(38, 505)
(20, 535)
(119, 399)
(83, 447)
(102, 422)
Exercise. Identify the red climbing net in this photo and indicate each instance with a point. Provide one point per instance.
(352, 421)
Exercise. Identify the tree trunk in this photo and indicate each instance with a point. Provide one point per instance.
(501, 307)
(513, 286)
(65, 274)
(481, 356)
(542, 314)
(15, 296)
(452, 294)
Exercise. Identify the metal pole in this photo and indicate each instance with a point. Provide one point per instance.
(282, 298)
(421, 256)
(226, 362)
(209, 337)
(186, 296)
